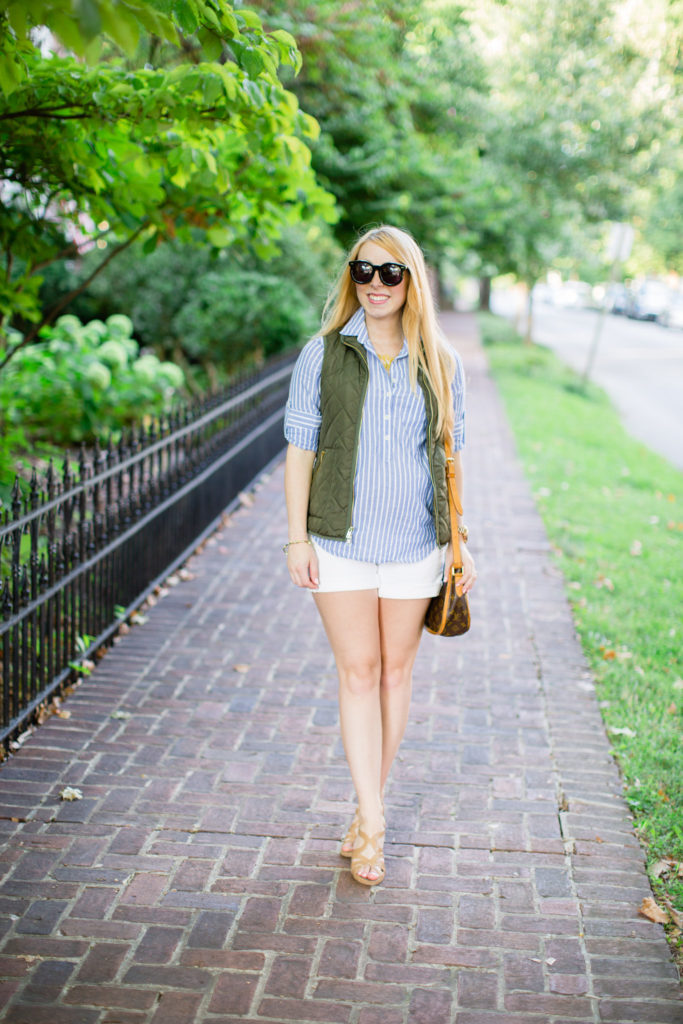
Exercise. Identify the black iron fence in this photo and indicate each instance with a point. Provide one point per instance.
(79, 552)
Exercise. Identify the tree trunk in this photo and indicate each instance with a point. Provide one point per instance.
(485, 294)
(529, 312)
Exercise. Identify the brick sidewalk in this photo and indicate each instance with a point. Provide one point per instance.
(199, 877)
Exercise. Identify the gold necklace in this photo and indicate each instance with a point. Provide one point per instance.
(386, 361)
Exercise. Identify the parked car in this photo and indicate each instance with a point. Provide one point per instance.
(673, 315)
(573, 295)
(650, 301)
(618, 299)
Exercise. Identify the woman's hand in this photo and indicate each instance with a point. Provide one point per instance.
(302, 563)
(469, 573)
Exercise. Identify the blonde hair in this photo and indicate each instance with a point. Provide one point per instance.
(427, 346)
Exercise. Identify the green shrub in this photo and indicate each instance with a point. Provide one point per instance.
(230, 317)
(156, 289)
(84, 381)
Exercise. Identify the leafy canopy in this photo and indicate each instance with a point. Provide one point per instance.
(149, 119)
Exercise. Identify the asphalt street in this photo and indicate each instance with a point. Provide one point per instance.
(639, 364)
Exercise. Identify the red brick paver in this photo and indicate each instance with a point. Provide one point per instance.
(199, 878)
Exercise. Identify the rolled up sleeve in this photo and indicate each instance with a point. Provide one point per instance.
(302, 413)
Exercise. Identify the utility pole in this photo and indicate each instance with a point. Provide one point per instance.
(618, 250)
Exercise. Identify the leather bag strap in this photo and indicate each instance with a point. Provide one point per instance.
(454, 508)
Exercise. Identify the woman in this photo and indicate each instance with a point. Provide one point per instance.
(371, 400)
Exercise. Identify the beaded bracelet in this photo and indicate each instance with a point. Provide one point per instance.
(291, 543)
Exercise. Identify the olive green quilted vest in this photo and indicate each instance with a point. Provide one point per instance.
(343, 384)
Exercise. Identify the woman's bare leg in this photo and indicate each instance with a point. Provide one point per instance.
(400, 624)
(351, 621)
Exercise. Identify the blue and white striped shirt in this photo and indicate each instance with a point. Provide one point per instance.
(393, 495)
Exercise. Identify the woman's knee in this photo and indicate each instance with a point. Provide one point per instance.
(360, 678)
(393, 677)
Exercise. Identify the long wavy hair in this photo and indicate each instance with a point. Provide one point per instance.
(427, 346)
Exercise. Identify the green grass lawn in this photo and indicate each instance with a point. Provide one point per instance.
(614, 515)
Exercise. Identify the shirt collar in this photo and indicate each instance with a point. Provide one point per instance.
(357, 327)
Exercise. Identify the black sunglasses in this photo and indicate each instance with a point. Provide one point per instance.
(390, 274)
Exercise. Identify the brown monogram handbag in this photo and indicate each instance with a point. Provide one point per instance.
(448, 613)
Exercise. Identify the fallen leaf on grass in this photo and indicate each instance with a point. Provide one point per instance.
(678, 684)
(70, 793)
(674, 915)
(649, 909)
(662, 867)
(611, 654)
(636, 549)
(604, 581)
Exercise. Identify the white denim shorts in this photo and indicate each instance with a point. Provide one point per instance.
(390, 579)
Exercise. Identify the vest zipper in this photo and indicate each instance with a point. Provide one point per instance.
(359, 351)
(321, 455)
(431, 463)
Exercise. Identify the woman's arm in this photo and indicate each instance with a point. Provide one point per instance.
(302, 561)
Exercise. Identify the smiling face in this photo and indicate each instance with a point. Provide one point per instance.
(378, 300)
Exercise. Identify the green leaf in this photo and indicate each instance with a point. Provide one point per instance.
(187, 15)
(229, 21)
(10, 74)
(122, 26)
(212, 46)
(16, 14)
(249, 18)
(88, 17)
(219, 236)
(252, 61)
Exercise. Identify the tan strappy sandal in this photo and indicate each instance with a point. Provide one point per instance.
(369, 853)
(350, 837)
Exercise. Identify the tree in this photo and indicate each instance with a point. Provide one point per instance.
(151, 120)
(396, 88)
(581, 98)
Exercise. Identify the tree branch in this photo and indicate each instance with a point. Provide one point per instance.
(48, 112)
(66, 299)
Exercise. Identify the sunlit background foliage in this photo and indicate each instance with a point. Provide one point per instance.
(200, 166)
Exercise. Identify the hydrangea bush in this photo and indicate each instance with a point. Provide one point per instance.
(85, 381)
